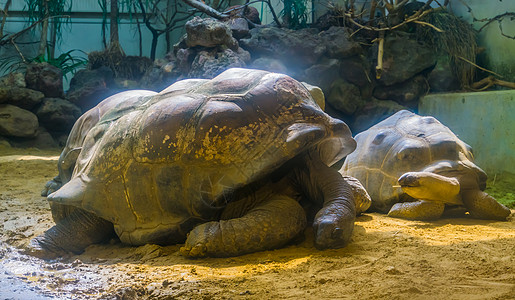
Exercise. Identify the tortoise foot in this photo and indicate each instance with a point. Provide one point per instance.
(418, 210)
(41, 248)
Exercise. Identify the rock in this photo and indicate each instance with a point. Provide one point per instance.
(316, 93)
(322, 74)
(373, 112)
(22, 97)
(45, 78)
(339, 44)
(356, 70)
(57, 114)
(184, 58)
(251, 13)
(18, 122)
(442, 78)
(345, 97)
(239, 27)
(42, 140)
(15, 79)
(297, 49)
(404, 58)
(269, 64)
(4, 144)
(89, 87)
(328, 20)
(209, 64)
(405, 92)
(207, 32)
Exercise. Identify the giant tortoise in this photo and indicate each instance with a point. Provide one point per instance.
(219, 164)
(414, 167)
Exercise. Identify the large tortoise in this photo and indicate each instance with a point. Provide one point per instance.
(221, 162)
(414, 167)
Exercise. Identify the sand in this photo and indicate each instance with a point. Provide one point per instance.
(387, 259)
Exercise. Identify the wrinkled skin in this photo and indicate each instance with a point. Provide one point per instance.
(220, 165)
(415, 168)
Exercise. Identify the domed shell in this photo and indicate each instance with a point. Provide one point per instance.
(405, 142)
(169, 161)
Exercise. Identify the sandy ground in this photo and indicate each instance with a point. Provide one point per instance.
(387, 259)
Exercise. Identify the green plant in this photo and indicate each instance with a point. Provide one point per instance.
(47, 11)
(295, 13)
(66, 61)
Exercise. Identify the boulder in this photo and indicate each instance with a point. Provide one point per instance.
(58, 115)
(45, 78)
(239, 27)
(42, 140)
(207, 32)
(373, 112)
(356, 70)
(322, 74)
(345, 97)
(251, 13)
(442, 78)
(339, 44)
(14, 79)
(297, 49)
(22, 97)
(404, 58)
(209, 64)
(407, 92)
(17, 122)
(184, 57)
(269, 64)
(89, 87)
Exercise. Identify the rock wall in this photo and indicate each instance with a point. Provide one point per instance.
(33, 111)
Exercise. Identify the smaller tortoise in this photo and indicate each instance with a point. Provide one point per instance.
(219, 164)
(433, 167)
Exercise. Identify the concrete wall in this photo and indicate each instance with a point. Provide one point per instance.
(485, 121)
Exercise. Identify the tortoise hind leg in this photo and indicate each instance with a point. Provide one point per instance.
(268, 225)
(417, 210)
(73, 233)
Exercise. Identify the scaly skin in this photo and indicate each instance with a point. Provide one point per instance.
(71, 234)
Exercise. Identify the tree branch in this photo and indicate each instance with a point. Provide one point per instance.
(208, 10)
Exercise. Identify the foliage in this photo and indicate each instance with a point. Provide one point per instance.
(67, 62)
(295, 13)
(500, 186)
(40, 9)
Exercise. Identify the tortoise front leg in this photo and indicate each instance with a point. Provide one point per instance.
(334, 222)
(418, 210)
(269, 225)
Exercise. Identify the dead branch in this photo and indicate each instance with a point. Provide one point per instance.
(479, 67)
(428, 24)
(490, 81)
(380, 52)
(208, 10)
(415, 17)
(19, 51)
(5, 15)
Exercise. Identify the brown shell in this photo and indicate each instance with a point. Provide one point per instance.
(163, 163)
(406, 142)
